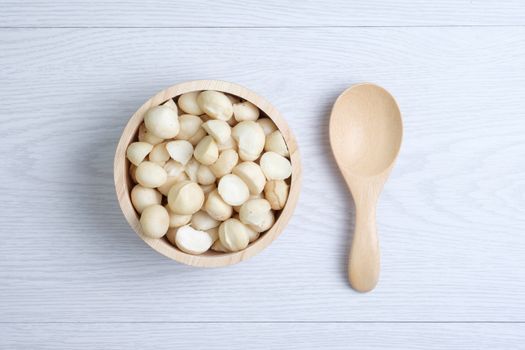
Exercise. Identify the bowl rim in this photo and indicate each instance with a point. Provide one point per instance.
(122, 180)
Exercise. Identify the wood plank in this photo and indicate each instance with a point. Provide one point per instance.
(249, 13)
(261, 336)
(450, 219)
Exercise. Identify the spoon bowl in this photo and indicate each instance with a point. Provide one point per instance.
(372, 129)
(365, 134)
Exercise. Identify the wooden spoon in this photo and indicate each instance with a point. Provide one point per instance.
(365, 134)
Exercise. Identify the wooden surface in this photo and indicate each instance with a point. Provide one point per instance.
(451, 216)
(261, 336)
(231, 13)
(162, 245)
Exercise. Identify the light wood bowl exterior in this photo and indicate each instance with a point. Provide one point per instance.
(123, 181)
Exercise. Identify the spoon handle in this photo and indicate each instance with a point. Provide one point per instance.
(364, 259)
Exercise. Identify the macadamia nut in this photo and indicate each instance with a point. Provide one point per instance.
(191, 169)
(206, 152)
(254, 212)
(142, 197)
(225, 163)
(214, 233)
(252, 175)
(215, 104)
(189, 125)
(266, 224)
(188, 103)
(177, 220)
(216, 207)
(162, 121)
(208, 188)
(233, 235)
(180, 150)
(171, 104)
(250, 139)
(197, 137)
(203, 221)
(229, 144)
(276, 192)
(218, 247)
(275, 166)
(146, 136)
(137, 151)
(205, 176)
(192, 241)
(237, 208)
(233, 190)
(275, 143)
(252, 234)
(218, 129)
(150, 174)
(154, 221)
(170, 181)
(267, 125)
(175, 172)
(245, 111)
(185, 198)
(173, 168)
(159, 154)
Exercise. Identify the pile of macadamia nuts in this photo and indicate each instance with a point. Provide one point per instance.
(210, 172)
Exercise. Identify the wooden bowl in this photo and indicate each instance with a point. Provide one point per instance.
(123, 183)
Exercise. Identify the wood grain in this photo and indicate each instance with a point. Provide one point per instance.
(250, 13)
(451, 218)
(162, 245)
(261, 336)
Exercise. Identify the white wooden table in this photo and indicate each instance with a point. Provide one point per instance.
(451, 219)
